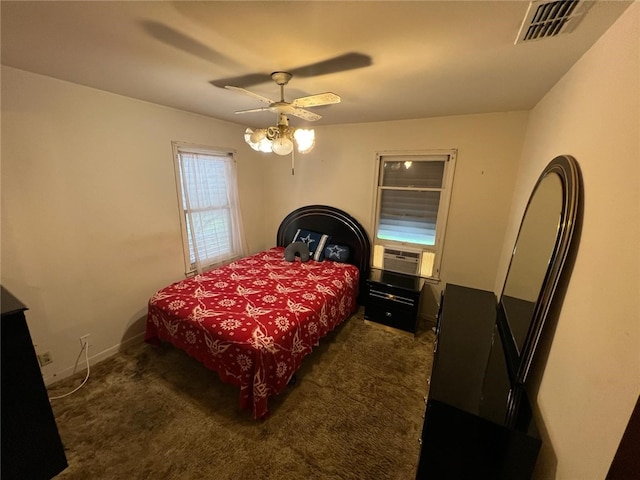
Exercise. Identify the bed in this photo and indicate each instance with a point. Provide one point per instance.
(254, 320)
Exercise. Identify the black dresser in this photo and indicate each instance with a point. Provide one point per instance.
(31, 446)
(478, 422)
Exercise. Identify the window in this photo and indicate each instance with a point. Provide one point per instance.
(412, 203)
(210, 214)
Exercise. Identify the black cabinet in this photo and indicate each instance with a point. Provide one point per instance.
(31, 446)
(478, 421)
(393, 299)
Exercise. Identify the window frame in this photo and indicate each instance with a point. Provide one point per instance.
(221, 152)
(443, 207)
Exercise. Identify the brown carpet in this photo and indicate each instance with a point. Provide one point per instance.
(155, 413)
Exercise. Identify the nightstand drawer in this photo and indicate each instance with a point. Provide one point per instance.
(385, 314)
(398, 300)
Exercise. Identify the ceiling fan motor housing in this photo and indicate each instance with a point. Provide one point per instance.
(281, 78)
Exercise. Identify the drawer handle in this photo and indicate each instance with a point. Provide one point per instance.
(388, 314)
(393, 298)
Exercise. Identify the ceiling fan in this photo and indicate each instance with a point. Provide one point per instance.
(296, 107)
(281, 138)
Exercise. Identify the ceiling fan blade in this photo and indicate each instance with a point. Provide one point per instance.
(305, 114)
(253, 110)
(341, 63)
(251, 94)
(326, 98)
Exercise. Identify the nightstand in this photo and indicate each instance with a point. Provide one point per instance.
(393, 299)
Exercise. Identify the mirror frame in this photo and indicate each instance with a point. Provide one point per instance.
(519, 362)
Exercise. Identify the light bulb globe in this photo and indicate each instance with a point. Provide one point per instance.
(305, 139)
(248, 133)
(265, 145)
(256, 136)
(282, 146)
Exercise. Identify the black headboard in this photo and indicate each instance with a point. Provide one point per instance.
(342, 227)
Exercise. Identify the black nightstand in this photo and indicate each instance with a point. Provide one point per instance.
(393, 299)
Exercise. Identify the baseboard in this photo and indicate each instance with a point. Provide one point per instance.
(429, 318)
(428, 321)
(93, 359)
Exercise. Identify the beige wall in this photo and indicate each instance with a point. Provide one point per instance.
(90, 225)
(591, 380)
(340, 171)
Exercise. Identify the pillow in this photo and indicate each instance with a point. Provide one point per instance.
(337, 253)
(294, 248)
(315, 241)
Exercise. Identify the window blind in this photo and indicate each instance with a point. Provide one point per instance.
(409, 216)
(410, 190)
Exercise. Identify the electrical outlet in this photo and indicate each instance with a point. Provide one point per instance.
(84, 340)
(45, 359)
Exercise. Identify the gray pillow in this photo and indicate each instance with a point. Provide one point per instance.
(296, 248)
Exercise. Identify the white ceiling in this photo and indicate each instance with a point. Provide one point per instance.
(427, 58)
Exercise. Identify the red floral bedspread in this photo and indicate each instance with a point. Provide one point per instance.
(254, 320)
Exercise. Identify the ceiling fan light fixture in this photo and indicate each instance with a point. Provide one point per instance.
(280, 139)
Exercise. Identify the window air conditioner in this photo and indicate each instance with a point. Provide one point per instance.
(402, 261)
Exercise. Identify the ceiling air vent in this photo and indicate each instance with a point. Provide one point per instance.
(548, 18)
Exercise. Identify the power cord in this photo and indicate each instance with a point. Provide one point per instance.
(85, 347)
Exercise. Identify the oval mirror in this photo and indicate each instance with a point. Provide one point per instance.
(537, 259)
